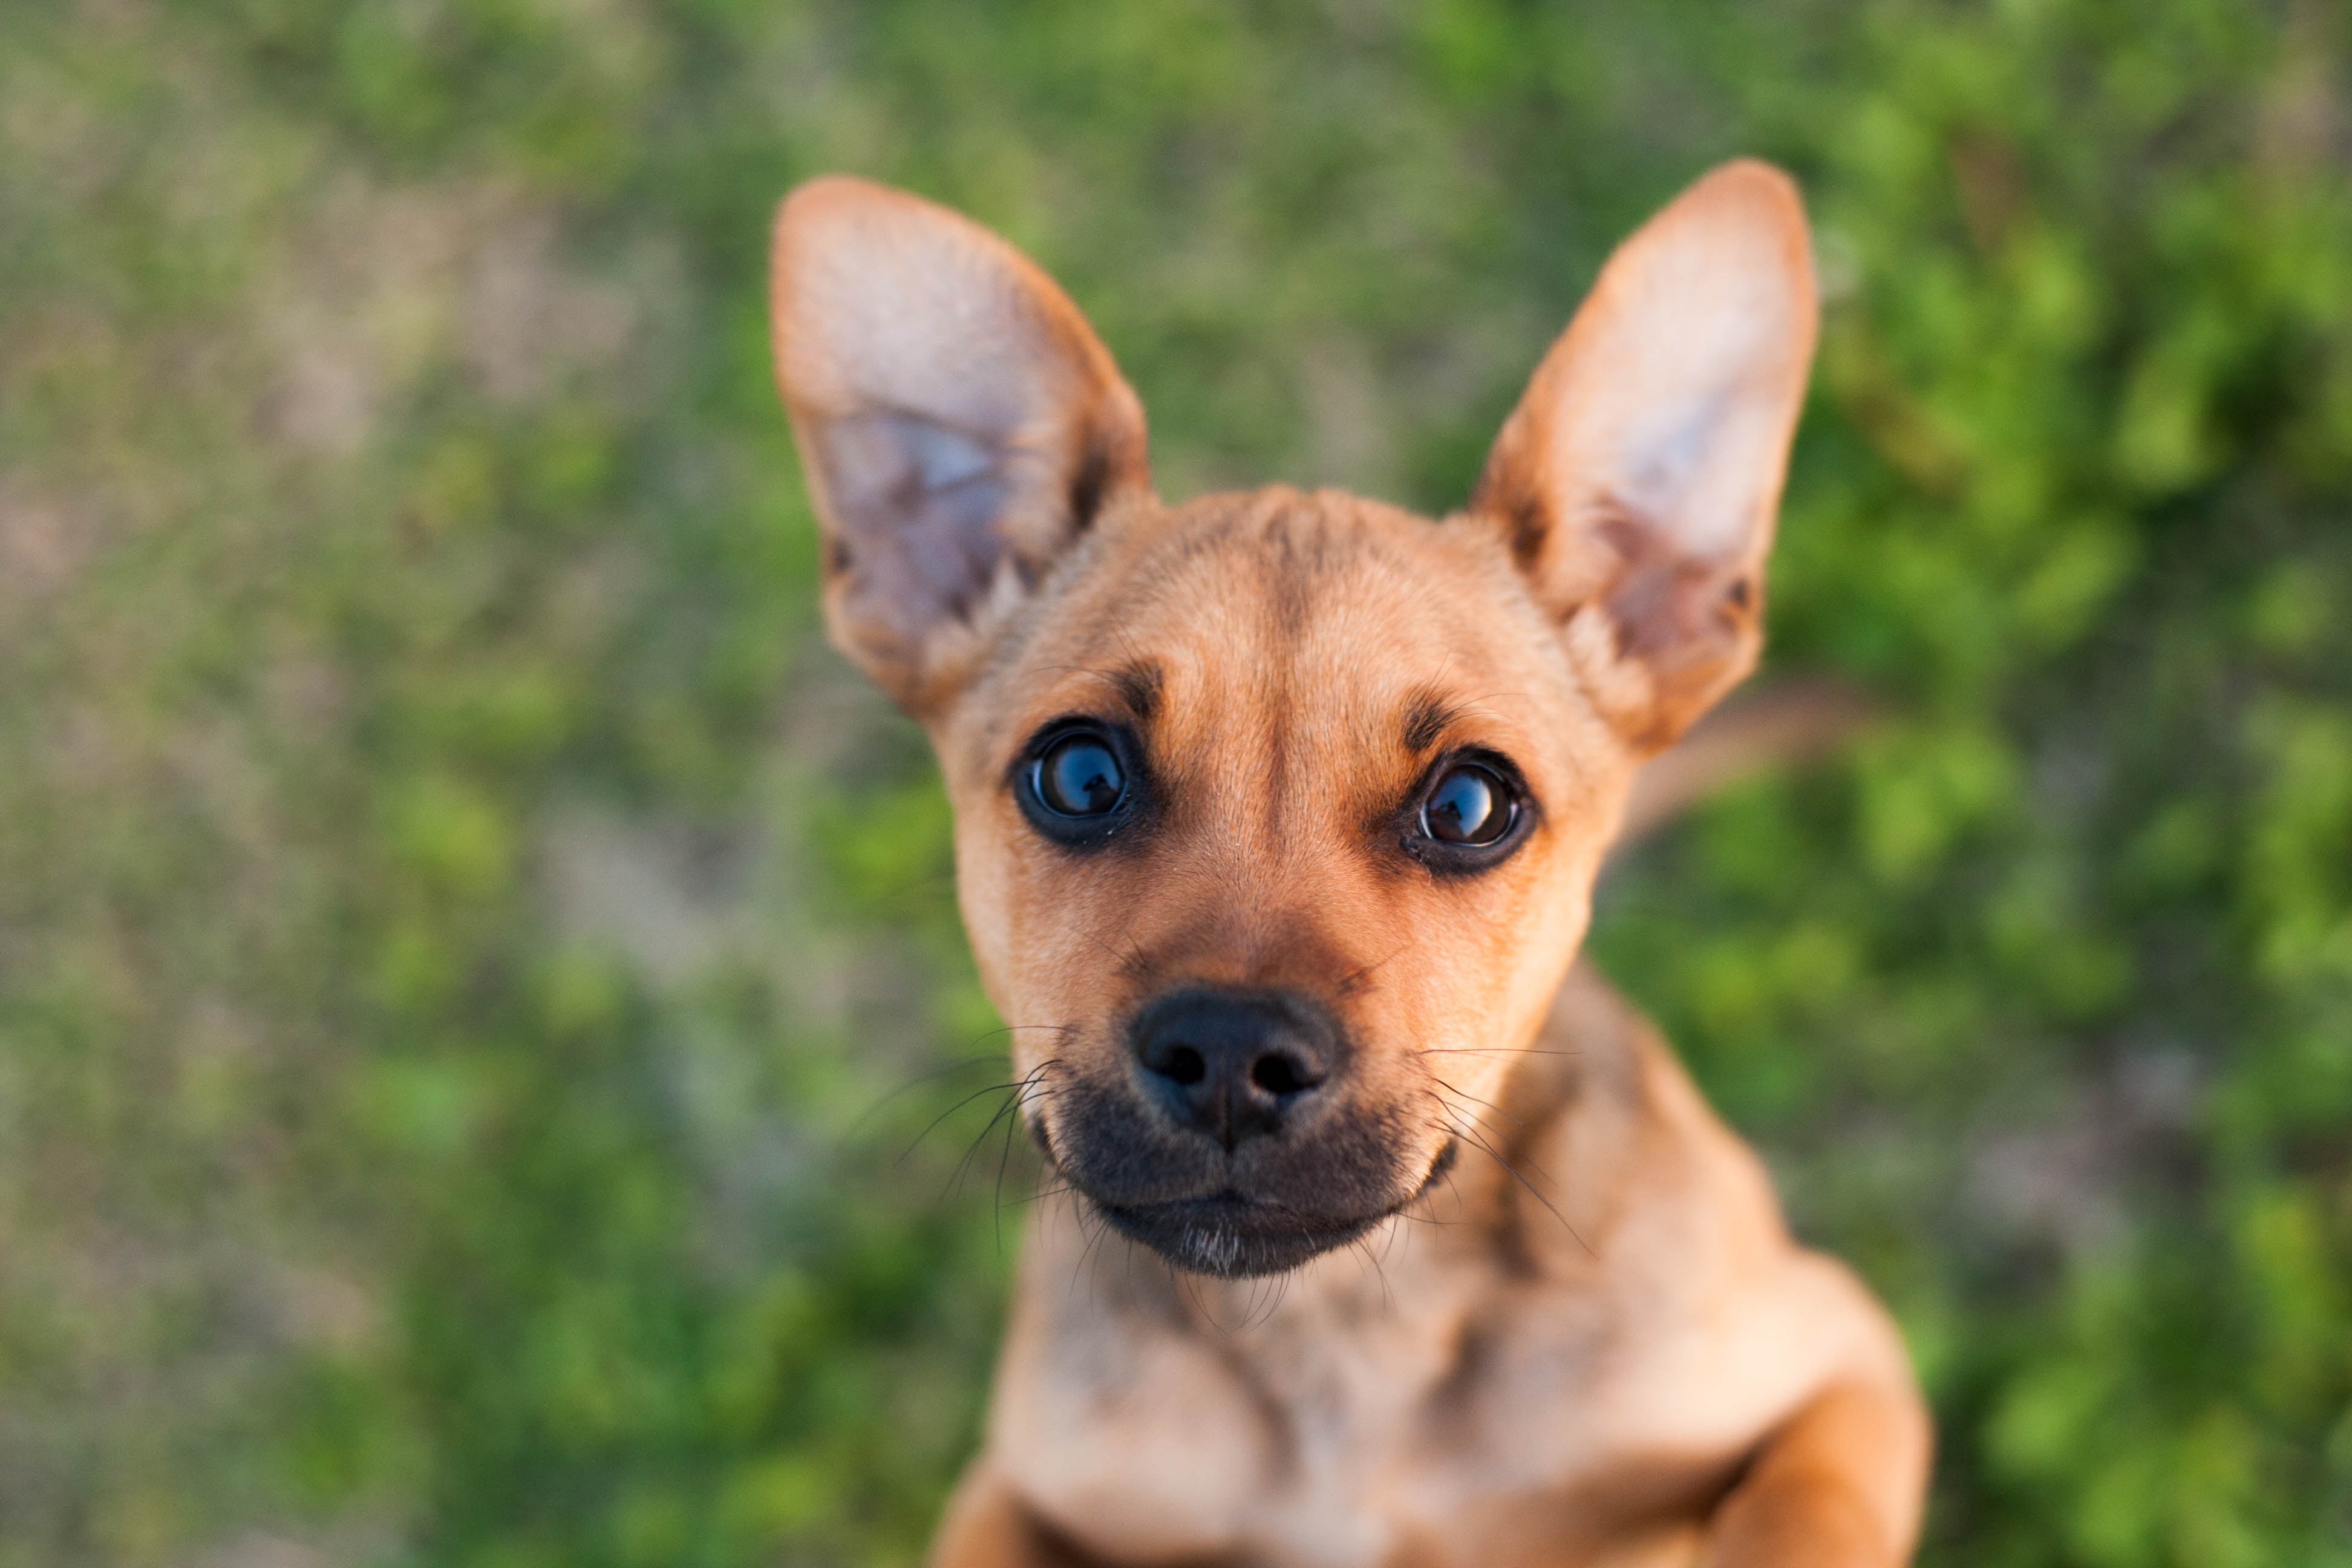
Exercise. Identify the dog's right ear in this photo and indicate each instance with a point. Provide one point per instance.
(959, 423)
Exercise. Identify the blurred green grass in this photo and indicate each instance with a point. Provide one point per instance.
(454, 917)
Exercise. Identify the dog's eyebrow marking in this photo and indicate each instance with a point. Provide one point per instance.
(1137, 685)
(1426, 717)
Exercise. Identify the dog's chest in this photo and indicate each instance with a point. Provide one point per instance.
(1345, 1396)
(1361, 1420)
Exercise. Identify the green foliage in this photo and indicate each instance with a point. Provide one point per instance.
(456, 922)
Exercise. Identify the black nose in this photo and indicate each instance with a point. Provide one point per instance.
(1233, 1064)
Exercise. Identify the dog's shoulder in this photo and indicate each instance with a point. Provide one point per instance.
(1666, 1231)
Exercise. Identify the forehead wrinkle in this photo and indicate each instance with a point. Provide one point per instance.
(1240, 599)
(1366, 627)
(1284, 600)
(1320, 550)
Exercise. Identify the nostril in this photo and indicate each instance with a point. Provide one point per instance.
(1233, 1067)
(1278, 1074)
(1183, 1065)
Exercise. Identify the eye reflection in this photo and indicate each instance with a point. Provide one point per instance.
(1080, 776)
(1469, 806)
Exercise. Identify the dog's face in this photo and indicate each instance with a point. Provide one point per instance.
(1277, 813)
(1350, 797)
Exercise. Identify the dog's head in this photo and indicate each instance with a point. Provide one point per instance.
(1277, 813)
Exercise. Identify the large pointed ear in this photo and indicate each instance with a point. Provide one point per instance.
(1638, 479)
(959, 423)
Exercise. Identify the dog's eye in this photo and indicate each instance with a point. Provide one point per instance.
(1079, 775)
(1469, 804)
(1081, 783)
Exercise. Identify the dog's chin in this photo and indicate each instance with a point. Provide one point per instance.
(1231, 1237)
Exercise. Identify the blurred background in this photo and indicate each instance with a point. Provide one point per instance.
(457, 921)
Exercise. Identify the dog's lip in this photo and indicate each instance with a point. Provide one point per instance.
(1229, 1205)
(1232, 1232)
(1232, 1201)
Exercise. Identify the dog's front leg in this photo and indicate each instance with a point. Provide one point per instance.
(1835, 1485)
(987, 1526)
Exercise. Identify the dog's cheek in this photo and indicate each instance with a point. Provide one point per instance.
(1024, 941)
(1051, 938)
(987, 896)
(1532, 927)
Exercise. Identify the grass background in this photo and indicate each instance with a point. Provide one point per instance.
(455, 916)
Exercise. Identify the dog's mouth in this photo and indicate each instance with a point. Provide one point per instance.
(1232, 1235)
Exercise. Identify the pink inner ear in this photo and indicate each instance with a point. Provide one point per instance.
(957, 413)
(915, 506)
(1644, 463)
(1660, 465)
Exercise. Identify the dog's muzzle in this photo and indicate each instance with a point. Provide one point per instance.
(1236, 1142)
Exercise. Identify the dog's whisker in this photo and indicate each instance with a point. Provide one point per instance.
(1388, 1302)
(933, 1124)
(948, 1068)
(1479, 1143)
(1034, 1086)
(1499, 1110)
(1016, 1095)
(1127, 958)
(1550, 1207)
(1348, 983)
(1464, 1094)
(1455, 1188)
(1008, 1112)
(955, 1183)
(1086, 1254)
(1043, 1194)
(1281, 1295)
(1014, 1088)
(928, 1076)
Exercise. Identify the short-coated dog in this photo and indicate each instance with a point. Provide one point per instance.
(1277, 816)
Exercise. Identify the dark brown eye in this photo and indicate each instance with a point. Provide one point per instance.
(1469, 806)
(1080, 776)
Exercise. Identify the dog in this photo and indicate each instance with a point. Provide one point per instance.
(1390, 1236)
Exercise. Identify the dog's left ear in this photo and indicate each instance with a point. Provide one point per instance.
(959, 423)
(1638, 479)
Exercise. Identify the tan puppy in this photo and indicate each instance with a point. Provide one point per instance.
(1277, 816)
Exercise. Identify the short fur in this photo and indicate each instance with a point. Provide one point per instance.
(1535, 1304)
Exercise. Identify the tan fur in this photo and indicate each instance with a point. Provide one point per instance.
(1588, 1339)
